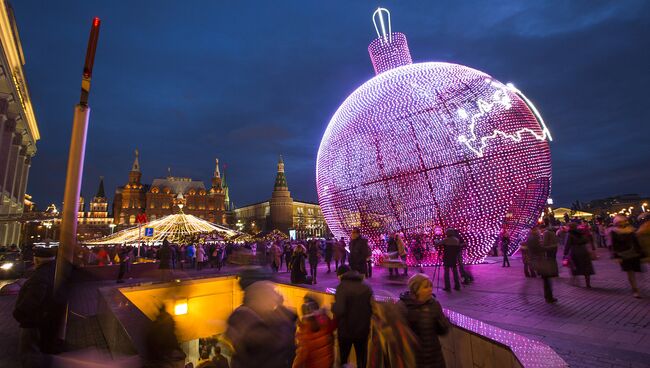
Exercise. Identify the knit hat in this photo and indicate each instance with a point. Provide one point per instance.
(416, 281)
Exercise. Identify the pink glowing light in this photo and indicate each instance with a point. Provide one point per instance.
(432, 146)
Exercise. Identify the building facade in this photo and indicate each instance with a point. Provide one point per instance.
(166, 196)
(18, 129)
(281, 212)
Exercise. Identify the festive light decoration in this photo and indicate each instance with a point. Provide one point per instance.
(175, 228)
(433, 145)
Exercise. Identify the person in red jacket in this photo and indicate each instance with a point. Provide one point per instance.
(315, 337)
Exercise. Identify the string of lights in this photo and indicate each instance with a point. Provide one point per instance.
(175, 228)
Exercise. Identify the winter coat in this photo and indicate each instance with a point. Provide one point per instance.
(298, 270)
(315, 342)
(165, 255)
(401, 248)
(36, 306)
(190, 251)
(359, 253)
(542, 253)
(427, 321)
(329, 250)
(200, 254)
(352, 307)
(339, 251)
(576, 250)
(313, 252)
(626, 247)
(451, 246)
(276, 255)
(391, 343)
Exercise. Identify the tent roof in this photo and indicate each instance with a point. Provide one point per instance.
(559, 212)
(173, 227)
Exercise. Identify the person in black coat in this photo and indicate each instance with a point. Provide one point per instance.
(165, 257)
(392, 250)
(451, 252)
(542, 252)
(627, 250)
(313, 257)
(359, 252)
(329, 251)
(38, 310)
(578, 254)
(298, 269)
(426, 319)
(504, 239)
(352, 310)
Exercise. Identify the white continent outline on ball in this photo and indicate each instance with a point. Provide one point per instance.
(500, 97)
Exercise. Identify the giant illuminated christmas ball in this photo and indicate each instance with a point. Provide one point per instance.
(430, 146)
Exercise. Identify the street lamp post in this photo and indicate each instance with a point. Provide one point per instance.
(74, 174)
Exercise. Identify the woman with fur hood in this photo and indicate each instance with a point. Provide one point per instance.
(627, 250)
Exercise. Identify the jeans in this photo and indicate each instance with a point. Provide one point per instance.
(454, 269)
(360, 350)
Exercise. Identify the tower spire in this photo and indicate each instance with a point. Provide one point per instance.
(100, 190)
(216, 174)
(280, 179)
(136, 162)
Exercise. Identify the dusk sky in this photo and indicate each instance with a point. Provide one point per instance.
(185, 82)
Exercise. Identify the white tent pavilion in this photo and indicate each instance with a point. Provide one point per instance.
(173, 227)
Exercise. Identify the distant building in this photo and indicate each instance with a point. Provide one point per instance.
(96, 222)
(281, 212)
(18, 129)
(617, 204)
(163, 196)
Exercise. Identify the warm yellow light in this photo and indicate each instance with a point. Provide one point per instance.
(180, 307)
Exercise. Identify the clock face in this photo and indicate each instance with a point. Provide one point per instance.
(435, 145)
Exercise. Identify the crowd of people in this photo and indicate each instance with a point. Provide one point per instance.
(628, 245)
(403, 333)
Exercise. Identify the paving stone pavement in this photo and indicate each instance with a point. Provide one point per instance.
(599, 327)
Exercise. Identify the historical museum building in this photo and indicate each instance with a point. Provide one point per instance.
(281, 212)
(166, 196)
(18, 129)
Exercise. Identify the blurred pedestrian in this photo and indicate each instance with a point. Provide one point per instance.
(402, 253)
(165, 256)
(352, 310)
(313, 257)
(200, 257)
(393, 254)
(125, 259)
(451, 250)
(505, 247)
(359, 252)
(315, 337)
(276, 257)
(578, 254)
(298, 269)
(426, 319)
(162, 348)
(38, 312)
(627, 250)
(529, 271)
(339, 253)
(261, 330)
(218, 359)
(543, 257)
(329, 250)
(288, 252)
(190, 255)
